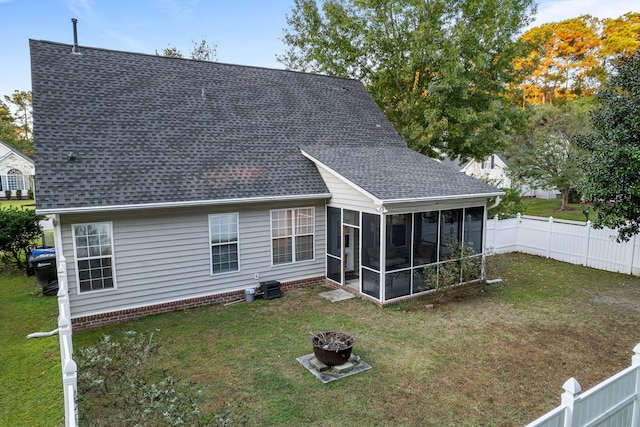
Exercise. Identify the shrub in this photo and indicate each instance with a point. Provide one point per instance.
(7, 194)
(18, 194)
(30, 194)
(114, 387)
(19, 229)
(462, 265)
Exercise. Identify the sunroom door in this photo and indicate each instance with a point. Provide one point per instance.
(351, 256)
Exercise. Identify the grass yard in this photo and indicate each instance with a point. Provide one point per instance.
(31, 391)
(496, 357)
(17, 203)
(551, 207)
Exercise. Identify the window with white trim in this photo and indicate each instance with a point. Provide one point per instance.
(292, 235)
(223, 233)
(15, 180)
(93, 246)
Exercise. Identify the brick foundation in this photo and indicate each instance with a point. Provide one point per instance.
(95, 321)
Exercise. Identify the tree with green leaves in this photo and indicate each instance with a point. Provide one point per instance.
(19, 229)
(439, 69)
(547, 154)
(201, 51)
(511, 203)
(8, 131)
(612, 171)
(11, 134)
(22, 102)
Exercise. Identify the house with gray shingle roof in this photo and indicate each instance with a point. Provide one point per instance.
(177, 183)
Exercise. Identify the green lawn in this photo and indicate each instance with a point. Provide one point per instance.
(17, 203)
(31, 391)
(495, 357)
(551, 207)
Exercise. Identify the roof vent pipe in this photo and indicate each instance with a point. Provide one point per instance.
(75, 49)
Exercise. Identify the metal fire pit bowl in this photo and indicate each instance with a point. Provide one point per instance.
(332, 348)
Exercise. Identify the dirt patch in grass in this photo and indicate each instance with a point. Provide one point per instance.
(625, 298)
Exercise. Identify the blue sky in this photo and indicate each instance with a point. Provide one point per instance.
(246, 32)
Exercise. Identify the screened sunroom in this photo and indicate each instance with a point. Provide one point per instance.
(400, 224)
(389, 256)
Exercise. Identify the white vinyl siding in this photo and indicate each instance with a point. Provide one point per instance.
(93, 248)
(292, 235)
(344, 195)
(164, 255)
(223, 233)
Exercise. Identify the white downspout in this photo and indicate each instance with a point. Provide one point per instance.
(497, 202)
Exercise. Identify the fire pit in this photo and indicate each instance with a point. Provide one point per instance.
(333, 347)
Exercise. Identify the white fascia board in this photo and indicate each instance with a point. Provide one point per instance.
(194, 203)
(317, 162)
(452, 197)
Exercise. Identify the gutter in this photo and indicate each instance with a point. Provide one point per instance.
(451, 197)
(194, 203)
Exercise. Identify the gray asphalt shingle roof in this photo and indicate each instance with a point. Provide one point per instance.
(398, 173)
(117, 128)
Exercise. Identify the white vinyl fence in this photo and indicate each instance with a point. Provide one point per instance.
(69, 368)
(612, 403)
(569, 241)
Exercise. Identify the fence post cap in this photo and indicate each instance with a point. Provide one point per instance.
(69, 367)
(572, 386)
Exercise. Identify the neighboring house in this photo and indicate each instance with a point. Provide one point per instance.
(492, 167)
(16, 171)
(175, 183)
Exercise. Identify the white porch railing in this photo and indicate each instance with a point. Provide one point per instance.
(613, 402)
(569, 241)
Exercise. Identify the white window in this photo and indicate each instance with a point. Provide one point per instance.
(15, 180)
(223, 232)
(93, 246)
(292, 235)
(488, 163)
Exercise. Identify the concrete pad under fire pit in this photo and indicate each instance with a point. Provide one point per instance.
(337, 295)
(326, 374)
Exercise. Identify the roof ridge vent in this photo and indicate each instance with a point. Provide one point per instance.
(75, 50)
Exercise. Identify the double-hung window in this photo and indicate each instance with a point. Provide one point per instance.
(93, 246)
(292, 235)
(223, 233)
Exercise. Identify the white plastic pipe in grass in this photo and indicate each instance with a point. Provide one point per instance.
(43, 334)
